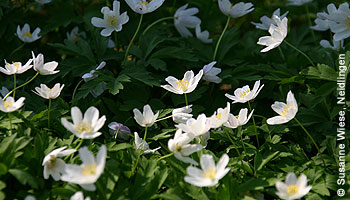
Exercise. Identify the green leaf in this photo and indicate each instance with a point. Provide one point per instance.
(158, 64)
(175, 52)
(3, 170)
(321, 189)
(266, 160)
(117, 86)
(322, 71)
(120, 146)
(24, 177)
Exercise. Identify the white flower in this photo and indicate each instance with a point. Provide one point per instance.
(197, 127)
(240, 120)
(73, 35)
(278, 33)
(182, 148)
(297, 2)
(340, 22)
(266, 21)
(184, 19)
(44, 69)
(220, 117)
(210, 174)
(181, 115)
(242, 95)
(91, 75)
(237, 10)
(203, 139)
(336, 44)
(147, 118)
(286, 111)
(293, 188)
(184, 86)
(110, 44)
(112, 20)
(89, 171)
(203, 36)
(25, 35)
(4, 91)
(43, 1)
(87, 127)
(211, 72)
(79, 196)
(122, 130)
(53, 165)
(29, 197)
(49, 93)
(140, 144)
(10, 105)
(144, 6)
(16, 67)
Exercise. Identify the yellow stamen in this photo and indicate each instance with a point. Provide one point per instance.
(286, 110)
(89, 170)
(209, 173)
(178, 148)
(112, 21)
(28, 34)
(218, 115)
(182, 84)
(347, 22)
(52, 162)
(145, 2)
(292, 189)
(7, 104)
(83, 127)
(231, 6)
(244, 93)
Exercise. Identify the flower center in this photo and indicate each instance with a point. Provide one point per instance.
(28, 34)
(112, 21)
(182, 84)
(7, 104)
(347, 22)
(52, 162)
(218, 115)
(231, 6)
(178, 148)
(145, 2)
(83, 127)
(292, 189)
(89, 170)
(286, 110)
(209, 173)
(244, 93)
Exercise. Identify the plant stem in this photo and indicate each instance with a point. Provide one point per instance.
(100, 188)
(156, 22)
(313, 141)
(229, 137)
(17, 49)
(116, 134)
(76, 88)
(309, 21)
(239, 131)
(48, 114)
(255, 130)
(166, 156)
(24, 84)
(10, 117)
(163, 118)
(186, 99)
(302, 53)
(282, 55)
(133, 38)
(81, 142)
(222, 34)
(140, 152)
(14, 85)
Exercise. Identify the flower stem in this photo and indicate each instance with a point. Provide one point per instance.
(186, 99)
(313, 141)
(48, 114)
(140, 152)
(24, 84)
(10, 117)
(229, 137)
(14, 85)
(282, 55)
(17, 49)
(222, 34)
(239, 131)
(302, 53)
(80, 143)
(116, 133)
(163, 118)
(156, 22)
(166, 156)
(256, 132)
(133, 38)
(76, 88)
